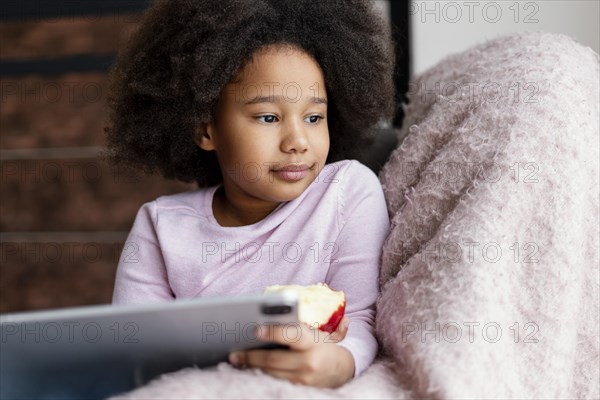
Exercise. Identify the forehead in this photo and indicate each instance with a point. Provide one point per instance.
(274, 70)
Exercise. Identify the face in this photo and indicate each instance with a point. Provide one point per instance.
(270, 129)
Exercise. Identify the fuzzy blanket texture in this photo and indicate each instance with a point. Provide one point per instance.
(490, 273)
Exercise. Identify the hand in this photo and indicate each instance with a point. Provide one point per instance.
(313, 357)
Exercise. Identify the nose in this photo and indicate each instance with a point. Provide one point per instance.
(294, 138)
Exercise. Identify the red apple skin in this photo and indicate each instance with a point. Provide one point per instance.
(335, 319)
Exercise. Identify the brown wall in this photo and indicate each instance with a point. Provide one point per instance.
(64, 213)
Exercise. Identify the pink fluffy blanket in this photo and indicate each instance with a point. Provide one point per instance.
(489, 277)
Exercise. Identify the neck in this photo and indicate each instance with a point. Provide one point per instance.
(230, 209)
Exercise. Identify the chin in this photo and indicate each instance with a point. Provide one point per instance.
(285, 191)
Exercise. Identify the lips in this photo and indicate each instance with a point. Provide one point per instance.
(292, 172)
(293, 167)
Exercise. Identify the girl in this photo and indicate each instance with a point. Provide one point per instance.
(263, 103)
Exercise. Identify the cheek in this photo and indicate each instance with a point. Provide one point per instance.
(236, 139)
(250, 151)
(323, 142)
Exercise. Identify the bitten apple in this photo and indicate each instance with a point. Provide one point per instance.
(317, 304)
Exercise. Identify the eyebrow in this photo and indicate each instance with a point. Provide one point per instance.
(279, 99)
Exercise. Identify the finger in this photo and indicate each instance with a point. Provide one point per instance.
(237, 359)
(340, 333)
(342, 327)
(283, 360)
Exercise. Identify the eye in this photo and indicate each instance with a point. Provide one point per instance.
(314, 119)
(269, 119)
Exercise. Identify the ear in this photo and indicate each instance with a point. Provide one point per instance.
(204, 136)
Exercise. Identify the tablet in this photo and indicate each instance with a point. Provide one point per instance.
(139, 341)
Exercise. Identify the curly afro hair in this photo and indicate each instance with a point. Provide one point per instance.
(167, 79)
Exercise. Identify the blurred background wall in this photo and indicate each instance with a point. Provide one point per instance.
(64, 212)
(440, 28)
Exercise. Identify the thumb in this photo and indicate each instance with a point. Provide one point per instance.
(340, 333)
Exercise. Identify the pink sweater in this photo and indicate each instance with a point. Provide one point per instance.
(333, 233)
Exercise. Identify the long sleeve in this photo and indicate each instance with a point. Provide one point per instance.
(141, 275)
(355, 266)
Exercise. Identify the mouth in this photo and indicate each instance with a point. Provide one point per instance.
(293, 167)
(292, 172)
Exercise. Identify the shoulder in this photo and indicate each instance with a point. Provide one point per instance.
(353, 169)
(352, 177)
(347, 170)
(191, 201)
(357, 189)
